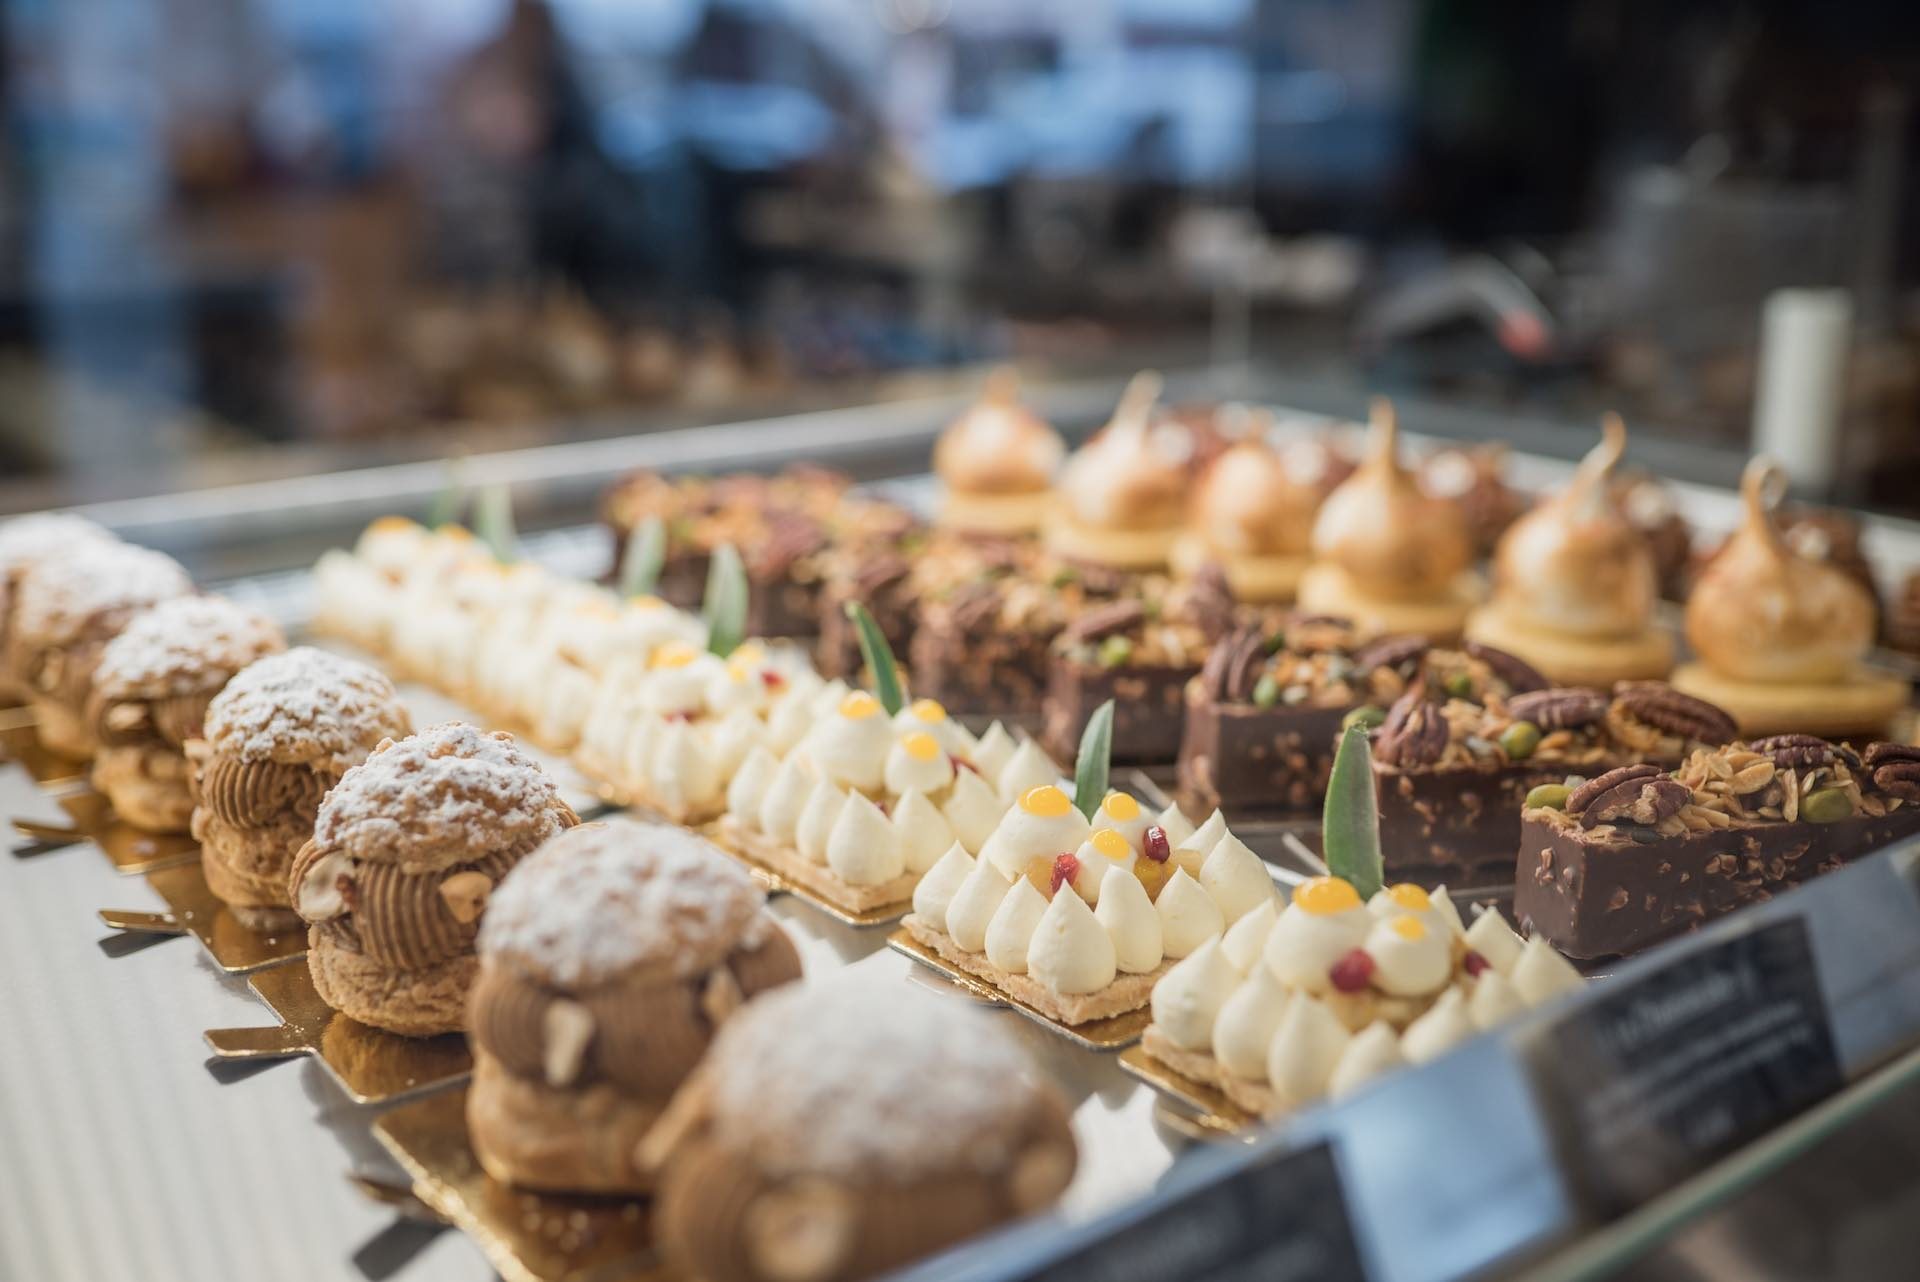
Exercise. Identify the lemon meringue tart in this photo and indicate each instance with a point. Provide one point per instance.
(1387, 555)
(996, 463)
(1574, 584)
(1781, 637)
(1123, 495)
(1252, 517)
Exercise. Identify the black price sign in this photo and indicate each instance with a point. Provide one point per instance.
(1282, 1218)
(1658, 1078)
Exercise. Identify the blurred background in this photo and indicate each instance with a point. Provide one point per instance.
(249, 238)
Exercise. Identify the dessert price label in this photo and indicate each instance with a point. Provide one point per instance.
(1282, 1218)
(1661, 1076)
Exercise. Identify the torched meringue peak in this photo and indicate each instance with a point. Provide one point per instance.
(1390, 537)
(1250, 504)
(1575, 564)
(1762, 612)
(998, 446)
(1132, 475)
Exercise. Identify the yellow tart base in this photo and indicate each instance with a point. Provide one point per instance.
(1001, 514)
(1865, 703)
(1327, 589)
(1572, 660)
(1103, 545)
(1256, 579)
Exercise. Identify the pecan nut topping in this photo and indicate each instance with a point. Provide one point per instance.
(1391, 652)
(789, 537)
(1579, 799)
(1657, 704)
(1521, 677)
(1641, 800)
(1105, 621)
(878, 572)
(1882, 753)
(1796, 751)
(1896, 769)
(1563, 708)
(1233, 666)
(975, 607)
(1209, 602)
(1415, 732)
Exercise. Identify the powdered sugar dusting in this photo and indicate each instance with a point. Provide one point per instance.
(843, 1078)
(29, 538)
(184, 646)
(61, 600)
(604, 898)
(449, 794)
(305, 705)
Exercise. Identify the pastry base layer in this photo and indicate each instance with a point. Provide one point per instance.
(994, 514)
(1258, 580)
(1863, 704)
(1115, 549)
(412, 1003)
(1254, 1097)
(248, 867)
(139, 795)
(1575, 661)
(818, 878)
(1327, 589)
(534, 1136)
(1126, 992)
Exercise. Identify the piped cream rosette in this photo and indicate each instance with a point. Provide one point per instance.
(1315, 998)
(1078, 917)
(863, 804)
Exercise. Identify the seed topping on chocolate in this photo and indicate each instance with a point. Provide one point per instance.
(1796, 751)
(1396, 652)
(1521, 677)
(1415, 732)
(1656, 704)
(1106, 620)
(1566, 708)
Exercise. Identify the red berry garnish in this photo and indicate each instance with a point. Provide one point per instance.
(1065, 868)
(1154, 844)
(771, 680)
(1351, 973)
(1474, 963)
(961, 763)
(680, 716)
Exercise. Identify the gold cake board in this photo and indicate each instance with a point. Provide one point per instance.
(20, 743)
(1110, 1034)
(129, 849)
(193, 909)
(1205, 1111)
(526, 1237)
(371, 1066)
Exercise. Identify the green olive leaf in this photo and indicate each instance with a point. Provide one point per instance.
(879, 656)
(725, 605)
(493, 522)
(450, 499)
(1350, 824)
(1091, 768)
(645, 553)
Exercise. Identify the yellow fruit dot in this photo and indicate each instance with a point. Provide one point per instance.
(859, 705)
(749, 652)
(1410, 897)
(929, 711)
(674, 654)
(646, 601)
(921, 746)
(1045, 802)
(1408, 928)
(1112, 845)
(458, 533)
(1120, 807)
(1324, 896)
(392, 525)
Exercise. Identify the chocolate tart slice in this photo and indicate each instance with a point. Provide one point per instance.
(1638, 855)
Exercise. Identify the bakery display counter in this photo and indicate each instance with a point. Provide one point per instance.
(1486, 1114)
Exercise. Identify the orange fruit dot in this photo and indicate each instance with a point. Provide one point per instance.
(859, 705)
(1410, 897)
(1324, 896)
(674, 654)
(1111, 844)
(929, 711)
(1120, 807)
(1411, 929)
(921, 746)
(1045, 802)
(392, 525)
(645, 601)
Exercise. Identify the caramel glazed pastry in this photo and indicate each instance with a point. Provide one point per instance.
(24, 543)
(277, 738)
(838, 1131)
(65, 611)
(1575, 585)
(1123, 495)
(150, 695)
(608, 960)
(1387, 555)
(406, 850)
(1781, 637)
(996, 464)
(1253, 516)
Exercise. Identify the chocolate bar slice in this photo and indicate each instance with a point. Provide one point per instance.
(1639, 855)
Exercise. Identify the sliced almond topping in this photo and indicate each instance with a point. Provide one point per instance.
(803, 1232)
(323, 891)
(721, 996)
(569, 1028)
(465, 894)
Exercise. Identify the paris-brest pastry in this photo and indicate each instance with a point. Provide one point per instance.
(837, 1131)
(406, 850)
(1252, 516)
(1122, 500)
(1386, 554)
(277, 738)
(609, 958)
(25, 542)
(150, 696)
(1779, 637)
(1574, 584)
(996, 464)
(65, 611)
